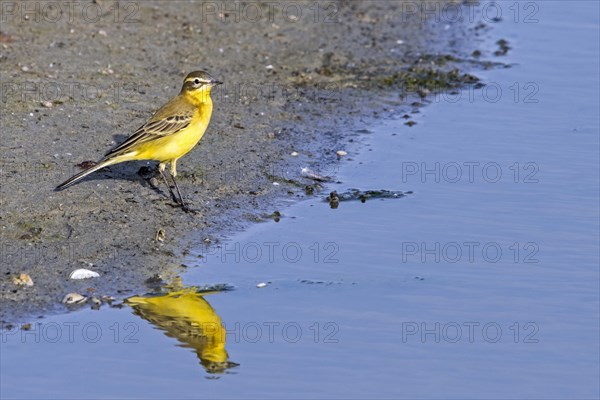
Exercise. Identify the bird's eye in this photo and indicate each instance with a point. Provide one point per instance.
(197, 81)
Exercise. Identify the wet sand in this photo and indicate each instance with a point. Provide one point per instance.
(296, 80)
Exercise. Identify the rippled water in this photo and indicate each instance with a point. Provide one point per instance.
(483, 282)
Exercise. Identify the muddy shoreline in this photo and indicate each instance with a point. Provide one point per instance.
(73, 87)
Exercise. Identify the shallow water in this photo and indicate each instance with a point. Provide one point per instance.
(482, 283)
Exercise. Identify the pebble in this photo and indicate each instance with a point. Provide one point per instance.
(294, 154)
(23, 280)
(341, 153)
(96, 303)
(261, 285)
(334, 200)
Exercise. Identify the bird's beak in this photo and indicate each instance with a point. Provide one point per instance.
(215, 82)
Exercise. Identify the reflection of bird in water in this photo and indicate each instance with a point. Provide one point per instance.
(186, 316)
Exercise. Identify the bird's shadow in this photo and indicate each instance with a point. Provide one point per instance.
(120, 138)
(140, 171)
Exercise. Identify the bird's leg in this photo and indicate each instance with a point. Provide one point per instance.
(178, 193)
(173, 175)
(161, 168)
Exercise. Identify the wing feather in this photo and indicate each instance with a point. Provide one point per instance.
(153, 129)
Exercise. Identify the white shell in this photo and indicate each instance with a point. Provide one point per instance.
(341, 153)
(294, 154)
(309, 173)
(83, 273)
(74, 298)
(261, 285)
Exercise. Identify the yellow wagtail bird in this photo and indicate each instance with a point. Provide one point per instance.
(169, 134)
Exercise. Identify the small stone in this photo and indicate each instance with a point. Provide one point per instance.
(294, 154)
(5, 38)
(154, 281)
(24, 68)
(160, 235)
(86, 164)
(341, 153)
(107, 299)
(261, 285)
(102, 32)
(333, 199)
(47, 104)
(23, 280)
(96, 303)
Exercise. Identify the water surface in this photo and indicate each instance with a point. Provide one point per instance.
(482, 283)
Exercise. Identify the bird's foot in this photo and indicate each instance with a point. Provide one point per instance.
(185, 208)
(189, 210)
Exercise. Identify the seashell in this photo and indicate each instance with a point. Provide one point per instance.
(310, 174)
(83, 273)
(74, 298)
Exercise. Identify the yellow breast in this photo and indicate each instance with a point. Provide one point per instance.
(176, 145)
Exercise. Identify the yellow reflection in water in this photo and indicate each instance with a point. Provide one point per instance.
(186, 316)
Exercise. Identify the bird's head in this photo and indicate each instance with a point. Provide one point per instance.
(199, 84)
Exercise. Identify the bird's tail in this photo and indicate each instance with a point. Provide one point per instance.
(75, 178)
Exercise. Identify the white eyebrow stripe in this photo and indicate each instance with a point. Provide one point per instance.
(202, 80)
